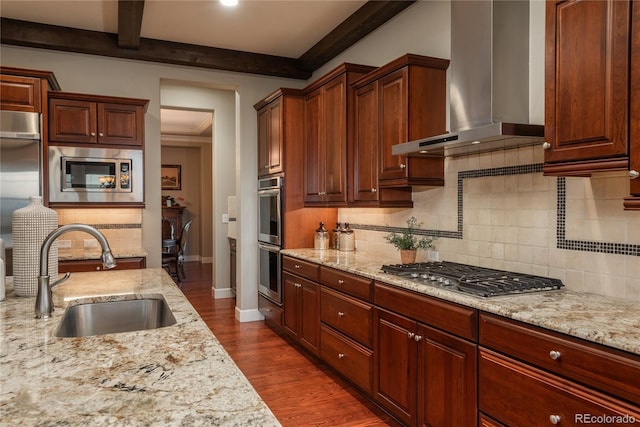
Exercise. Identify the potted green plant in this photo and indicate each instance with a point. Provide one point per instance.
(408, 243)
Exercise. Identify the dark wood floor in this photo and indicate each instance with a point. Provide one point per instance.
(297, 389)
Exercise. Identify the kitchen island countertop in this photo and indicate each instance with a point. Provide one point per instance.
(609, 321)
(177, 375)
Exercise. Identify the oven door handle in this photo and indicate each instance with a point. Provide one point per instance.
(270, 248)
(269, 191)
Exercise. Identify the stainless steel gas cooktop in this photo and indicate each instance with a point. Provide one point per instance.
(469, 279)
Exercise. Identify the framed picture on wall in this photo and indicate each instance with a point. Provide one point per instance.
(171, 177)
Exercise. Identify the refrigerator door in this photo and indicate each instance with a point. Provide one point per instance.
(20, 165)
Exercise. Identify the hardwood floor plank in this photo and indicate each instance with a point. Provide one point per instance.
(297, 388)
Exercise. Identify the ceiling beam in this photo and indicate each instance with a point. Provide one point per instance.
(43, 36)
(129, 23)
(362, 22)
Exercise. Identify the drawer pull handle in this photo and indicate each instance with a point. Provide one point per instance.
(555, 419)
(296, 266)
(297, 285)
(340, 355)
(340, 281)
(410, 335)
(418, 338)
(340, 314)
(555, 355)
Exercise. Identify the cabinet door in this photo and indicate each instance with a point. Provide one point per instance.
(334, 140)
(264, 120)
(72, 121)
(635, 103)
(393, 123)
(270, 141)
(587, 81)
(18, 93)
(120, 124)
(447, 375)
(313, 153)
(365, 144)
(309, 302)
(395, 365)
(290, 304)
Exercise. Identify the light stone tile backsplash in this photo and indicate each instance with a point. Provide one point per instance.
(511, 222)
(121, 227)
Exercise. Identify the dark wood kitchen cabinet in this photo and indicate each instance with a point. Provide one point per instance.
(301, 303)
(422, 375)
(399, 102)
(328, 104)
(75, 266)
(91, 119)
(633, 201)
(278, 114)
(25, 90)
(587, 86)
(551, 378)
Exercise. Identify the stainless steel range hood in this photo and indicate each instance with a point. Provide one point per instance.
(489, 82)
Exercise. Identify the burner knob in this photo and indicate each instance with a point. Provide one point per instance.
(555, 419)
(432, 278)
(447, 282)
(555, 355)
(440, 279)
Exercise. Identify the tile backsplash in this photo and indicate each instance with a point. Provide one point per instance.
(498, 210)
(121, 227)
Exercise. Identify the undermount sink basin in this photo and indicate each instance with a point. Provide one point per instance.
(108, 317)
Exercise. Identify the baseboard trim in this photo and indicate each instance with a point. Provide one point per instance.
(252, 315)
(222, 293)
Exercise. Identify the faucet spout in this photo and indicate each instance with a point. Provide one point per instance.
(44, 299)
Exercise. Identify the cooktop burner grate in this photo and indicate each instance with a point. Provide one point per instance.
(479, 281)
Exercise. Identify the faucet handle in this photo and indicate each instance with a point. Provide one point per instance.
(57, 282)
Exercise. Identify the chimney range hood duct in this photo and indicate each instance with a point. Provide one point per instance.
(489, 82)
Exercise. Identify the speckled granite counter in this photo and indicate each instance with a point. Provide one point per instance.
(609, 321)
(178, 375)
(95, 253)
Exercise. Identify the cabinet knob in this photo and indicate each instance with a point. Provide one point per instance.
(340, 314)
(297, 285)
(633, 174)
(555, 355)
(418, 338)
(403, 166)
(101, 134)
(554, 419)
(410, 335)
(93, 134)
(296, 266)
(98, 268)
(340, 282)
(374, 190)
(546, 145)
(340, 355)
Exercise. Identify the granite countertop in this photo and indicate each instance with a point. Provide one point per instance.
(95, 253)
(177, 375)
(609, 321)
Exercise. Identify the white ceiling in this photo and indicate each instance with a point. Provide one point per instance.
(186, 122)
(281, 28)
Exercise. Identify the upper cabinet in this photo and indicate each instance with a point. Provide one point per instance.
(328, 110)
(25, 90)
(587, 86)
(633, 201)
(396, 103)
(270, 137)
(91, 119)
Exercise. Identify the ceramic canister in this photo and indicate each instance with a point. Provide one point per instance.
(30, 226)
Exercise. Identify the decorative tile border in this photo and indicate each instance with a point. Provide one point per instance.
(561, 241)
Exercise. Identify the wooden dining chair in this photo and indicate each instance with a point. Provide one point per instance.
(173, 260)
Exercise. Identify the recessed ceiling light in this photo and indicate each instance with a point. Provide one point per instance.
(229, 2)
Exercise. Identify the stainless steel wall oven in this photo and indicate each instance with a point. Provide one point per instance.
(270, 192)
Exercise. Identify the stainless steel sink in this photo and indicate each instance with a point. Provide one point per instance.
(107, 317)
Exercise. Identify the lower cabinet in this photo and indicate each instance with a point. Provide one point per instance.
(301, 311)
(77, 266)
(422, 375)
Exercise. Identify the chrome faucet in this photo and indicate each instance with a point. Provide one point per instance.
(44, 299)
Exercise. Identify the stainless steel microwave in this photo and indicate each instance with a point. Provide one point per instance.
(95, 175)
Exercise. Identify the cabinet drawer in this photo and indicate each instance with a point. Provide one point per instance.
(453, 318)
(347, 315)
(602, 368)
(358, 287)
(75, 266)
(348, 357)
(519, 395)
(271, 312)
(301, 268)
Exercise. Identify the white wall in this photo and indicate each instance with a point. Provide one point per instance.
(119, 77)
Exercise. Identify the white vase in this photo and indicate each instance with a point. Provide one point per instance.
(30, 226)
